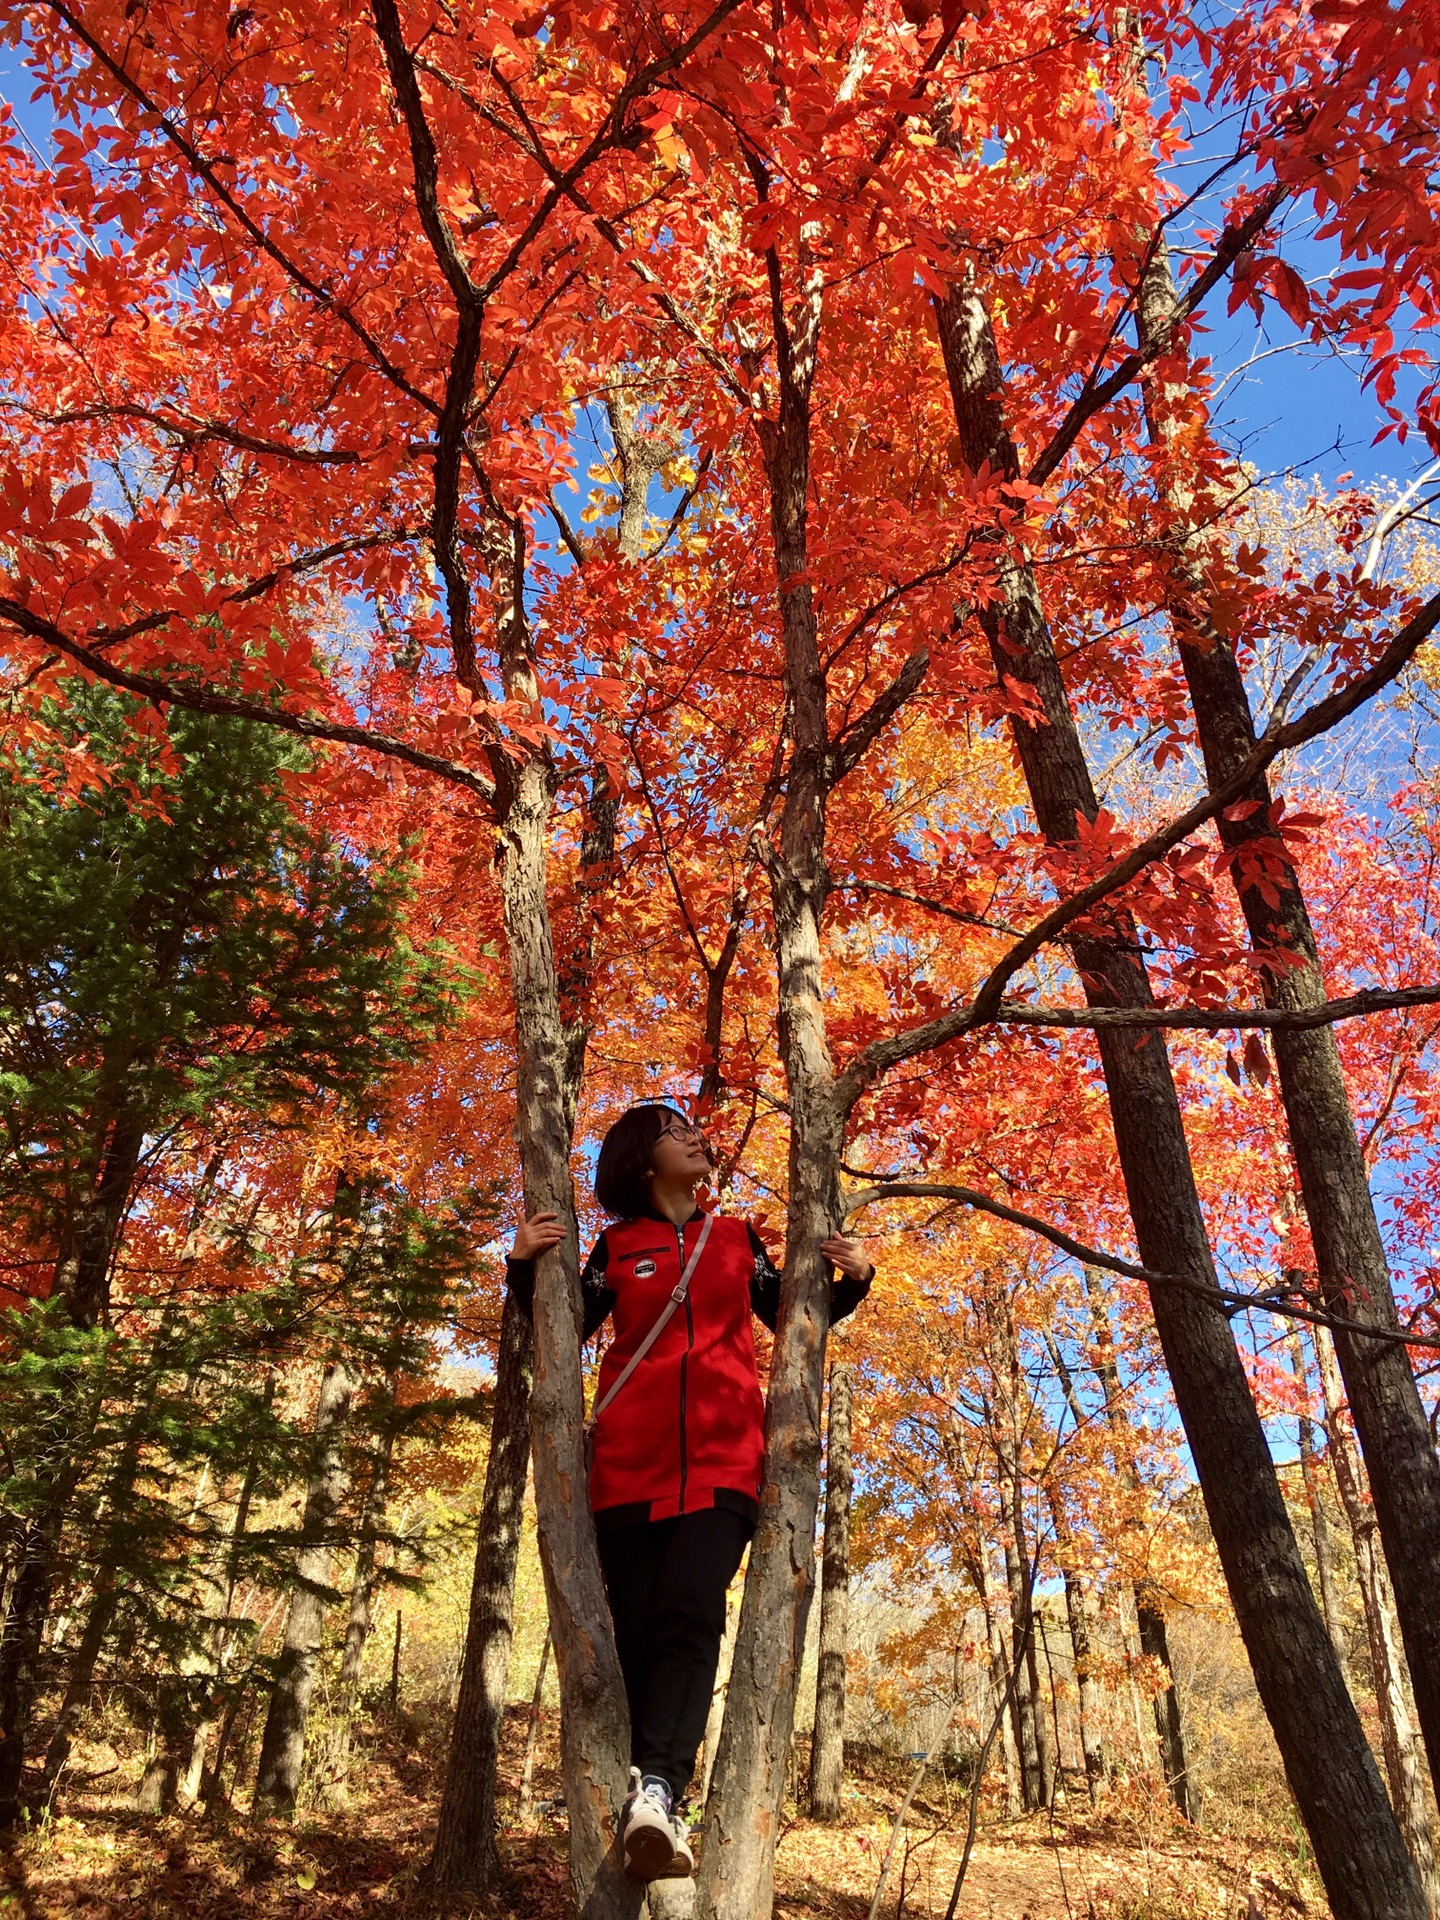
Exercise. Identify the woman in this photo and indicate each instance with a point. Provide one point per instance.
(678, 1439)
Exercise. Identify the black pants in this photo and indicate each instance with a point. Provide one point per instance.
(666, 1582)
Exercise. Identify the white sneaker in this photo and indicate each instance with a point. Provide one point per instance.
(682, 1867)
(647, 1832)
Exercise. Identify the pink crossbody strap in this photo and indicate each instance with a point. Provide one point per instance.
(677, 1297)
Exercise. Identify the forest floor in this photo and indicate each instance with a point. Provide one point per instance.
(98, 1858)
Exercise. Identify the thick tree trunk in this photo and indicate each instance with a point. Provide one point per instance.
(1331, 1770)
(1354, 1274)
(594, 1722)
(827, 1744)
(1387, 1661)
(282, 1747)
(736, 1878)
(464, 1855)
(159, 1788)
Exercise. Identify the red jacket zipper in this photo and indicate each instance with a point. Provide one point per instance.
(684, 1364)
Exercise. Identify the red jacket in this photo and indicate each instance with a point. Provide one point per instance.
(686, 1431)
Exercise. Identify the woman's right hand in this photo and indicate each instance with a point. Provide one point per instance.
(539, 1234)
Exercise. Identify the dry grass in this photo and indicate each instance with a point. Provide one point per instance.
(101, 1860)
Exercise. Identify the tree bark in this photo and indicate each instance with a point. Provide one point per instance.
(464, 1856)
(1354, 1274)
(1007, 1419)
(81, 1282)
(282, 1746)
(1169, 1736)
(999, 1683)
(736, 1874)
(594, 1720)
(1357, 1845)
(1151, 1634)
(827, 1743)
(1387, 1660)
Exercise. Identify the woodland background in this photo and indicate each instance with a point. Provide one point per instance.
(794, 559)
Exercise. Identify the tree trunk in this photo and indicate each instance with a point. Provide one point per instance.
(594, 1728)
(1079, 1610)
(1174, 1763)
(81, 1282)
(332, 1772)
(1387, 1660)
(81, 1677)
(282, 1747)
(715, 1719)
(464, 1856)
(1007, 1421)
(999, 1683)
(1354, 1273)
(1314, 1500)
(1026, 1713)
(1357, 1845)
(827, 1743)
(532, 1732)
(1079, 1616)
(1151, 1635)
(159, 1788)
(736, 1876)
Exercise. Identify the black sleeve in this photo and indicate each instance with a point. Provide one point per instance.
(764, 1283)
(845, 1293)
(596, 1297)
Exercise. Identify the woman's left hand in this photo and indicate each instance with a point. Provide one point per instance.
(849, 1256)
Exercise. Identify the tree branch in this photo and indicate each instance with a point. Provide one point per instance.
(200, 699)
(985, 1008)
(847, 748)
(1095, 396)
(192, 431)
(1269, 1302)
(205, 169)
(1327, 1013)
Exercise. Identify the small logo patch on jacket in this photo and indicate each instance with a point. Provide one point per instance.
(644, 1269)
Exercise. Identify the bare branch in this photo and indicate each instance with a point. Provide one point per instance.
(191, 430)
(1269, 1302)
(1326, 1013)
(846, 750)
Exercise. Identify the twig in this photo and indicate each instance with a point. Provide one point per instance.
(899, 1823)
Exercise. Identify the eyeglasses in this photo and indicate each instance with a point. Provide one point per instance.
(681, 1130)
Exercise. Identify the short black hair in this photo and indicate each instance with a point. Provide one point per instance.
(627, 1155)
